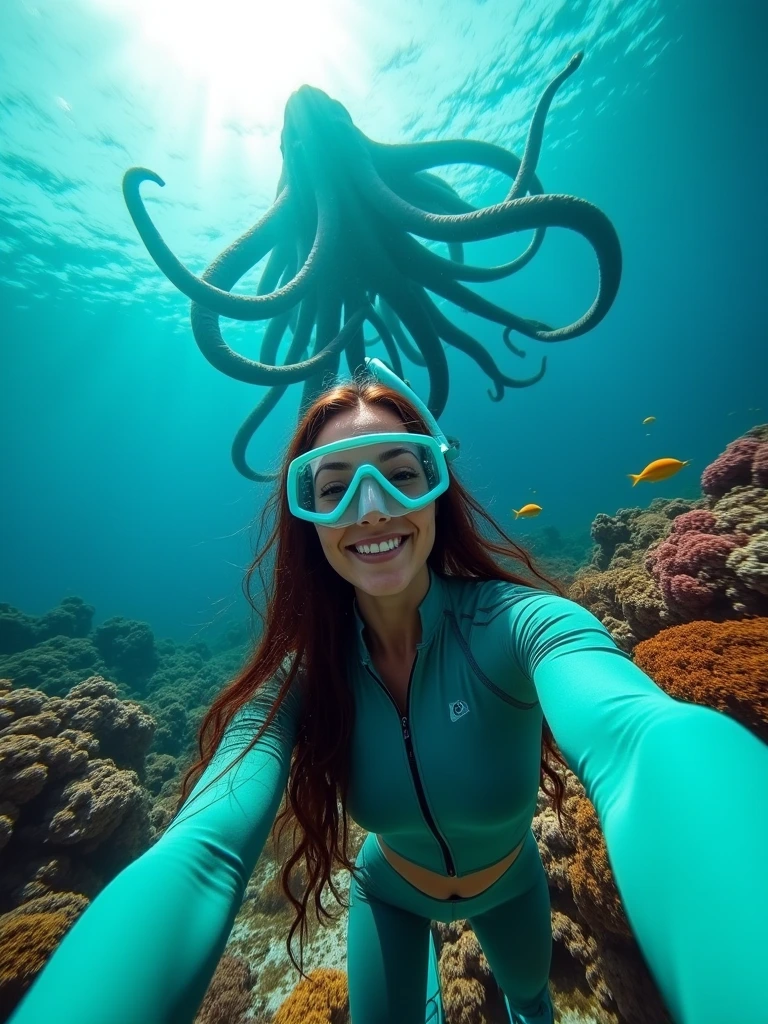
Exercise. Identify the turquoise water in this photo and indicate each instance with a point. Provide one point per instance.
(117, 479)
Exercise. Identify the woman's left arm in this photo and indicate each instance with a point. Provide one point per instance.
(681, 792)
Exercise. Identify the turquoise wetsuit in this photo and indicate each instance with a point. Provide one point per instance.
(680, 791)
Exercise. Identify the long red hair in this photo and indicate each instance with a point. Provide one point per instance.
(308, 617)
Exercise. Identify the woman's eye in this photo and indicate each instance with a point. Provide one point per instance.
(404, 475)
(331, 491)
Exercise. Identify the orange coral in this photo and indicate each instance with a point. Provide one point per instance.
(592, 883)
(321, 998)
(723, 665)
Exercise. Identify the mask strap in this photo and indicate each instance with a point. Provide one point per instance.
(450, 449)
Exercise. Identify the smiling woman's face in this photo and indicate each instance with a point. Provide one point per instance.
(377, 575)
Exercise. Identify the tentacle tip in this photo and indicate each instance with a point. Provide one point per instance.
(576, 59)
(139, 174)
(497, 395)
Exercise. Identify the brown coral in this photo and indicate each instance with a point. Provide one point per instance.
(470, 993)
(320, 998)
(723, 665)
(588, 919)
(28, 936)
(229, 994)
(58, 795)
(626, 600)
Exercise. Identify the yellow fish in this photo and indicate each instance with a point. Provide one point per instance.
(660, 469)
(527, 511)
(649, 419)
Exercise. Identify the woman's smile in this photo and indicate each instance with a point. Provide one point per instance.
(392, 545)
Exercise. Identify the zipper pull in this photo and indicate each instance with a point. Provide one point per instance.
(406, 734)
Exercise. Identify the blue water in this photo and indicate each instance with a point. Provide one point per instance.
(116, 477)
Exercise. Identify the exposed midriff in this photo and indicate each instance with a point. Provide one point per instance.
(443, 887)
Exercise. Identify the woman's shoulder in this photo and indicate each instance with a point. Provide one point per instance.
(485, 600)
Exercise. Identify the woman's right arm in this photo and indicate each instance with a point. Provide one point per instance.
(145, 950)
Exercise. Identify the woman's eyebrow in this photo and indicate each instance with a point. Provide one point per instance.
(390, 453)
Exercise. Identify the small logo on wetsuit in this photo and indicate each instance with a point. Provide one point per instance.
(458, 709)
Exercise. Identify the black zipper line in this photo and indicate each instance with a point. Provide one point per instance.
(449, 865)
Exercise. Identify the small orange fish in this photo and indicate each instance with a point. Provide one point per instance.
(660, 469)
(649, 419)
(527, 511)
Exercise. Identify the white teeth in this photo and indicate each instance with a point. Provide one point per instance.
(374, 549)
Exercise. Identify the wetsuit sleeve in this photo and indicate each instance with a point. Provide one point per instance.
(681, 794)
(145, 950)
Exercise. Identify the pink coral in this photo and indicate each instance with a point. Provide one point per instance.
(760, 466)
(732, 468)
(690, 565)
(697, 519)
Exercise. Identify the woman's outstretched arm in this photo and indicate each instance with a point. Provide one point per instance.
(681, 792)
(145, 950)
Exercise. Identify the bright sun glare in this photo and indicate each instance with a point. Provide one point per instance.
(247, 55)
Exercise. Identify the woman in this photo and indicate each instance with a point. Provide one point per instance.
(410, 683)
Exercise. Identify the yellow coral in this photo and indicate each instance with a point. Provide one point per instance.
(321, 998)
(28, 936)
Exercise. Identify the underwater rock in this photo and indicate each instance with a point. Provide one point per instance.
(633, 529)
(70, 818)
(54, 665)
(18, 632)
(128, 649)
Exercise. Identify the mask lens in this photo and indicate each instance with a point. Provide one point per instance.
(408, 467)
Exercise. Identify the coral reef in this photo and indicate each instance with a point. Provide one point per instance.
(679, 561)
(470, 992)
(73, 813)
(28, 936)
(128, 649)
(229, 995)
(72, 618)
(53, 665)
(320, 998)
(744, 462)
(588, 920)
(723, 665)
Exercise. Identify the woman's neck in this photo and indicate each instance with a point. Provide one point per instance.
(393, 623)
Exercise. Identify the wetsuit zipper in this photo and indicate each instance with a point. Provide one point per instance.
(449, 865)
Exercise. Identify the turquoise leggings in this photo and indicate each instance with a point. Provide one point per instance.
(391, 960)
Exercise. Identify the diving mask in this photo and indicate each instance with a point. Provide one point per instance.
(394, 473)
